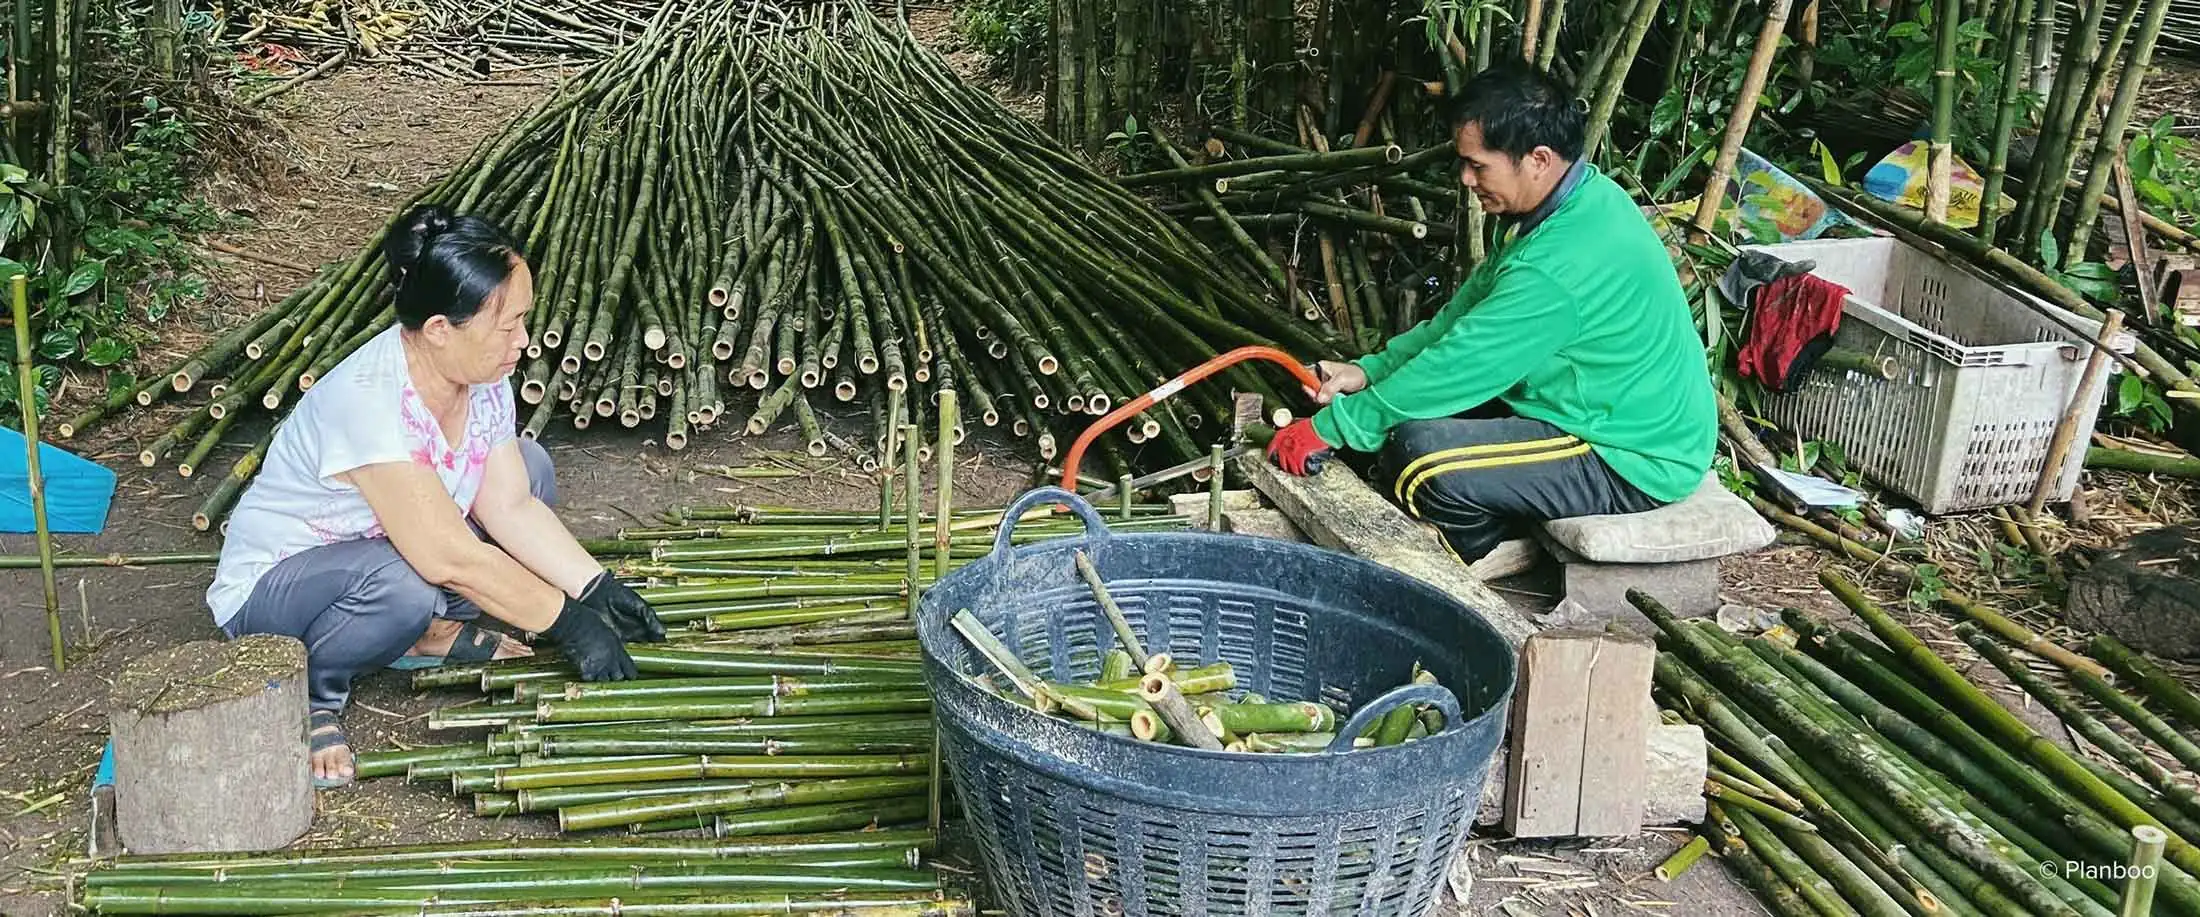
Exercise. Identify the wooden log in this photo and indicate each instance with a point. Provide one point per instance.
(2145, 593)
(210, 750)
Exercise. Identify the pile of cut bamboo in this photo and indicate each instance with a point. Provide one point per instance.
(790, 199)
(1858, 777)
(786, 717)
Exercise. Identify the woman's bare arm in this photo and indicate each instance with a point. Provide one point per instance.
(429, 533)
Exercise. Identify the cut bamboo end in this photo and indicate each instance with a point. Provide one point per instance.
(145, 398)
(184, 470)
(924, 355)
(1146, 726)
(1048, 365)
(1137, 435)
(648, 410)
(756, 426)
(569, 364)
(566, 390)
(1151, 427)
(758, 379)
(593, 351)
(1075, 403)
(897, 383)
(718, 296)
(676, 360)
(1040, 401)
(990, 417)
(631, 417)
(664, 388)
(1160, 664)
(676, 440)
(1021, 428)
(812, 378)
(533, 392)
(996, 349)
(147, 459)
(581, 419)
(1047, 446)
(816, 448)
(924, 453)
(1215, 149)
(551, 340)
(653, 339)
(722, 350)
(1393, 154)
(217, 410)
(867, 365)
(1100, 403)
(785, 366)
(182, 382)
(844, 390)
(201, 522)
(1418, 230)
(606, 407)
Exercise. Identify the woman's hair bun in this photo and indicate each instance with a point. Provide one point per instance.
(409, 239)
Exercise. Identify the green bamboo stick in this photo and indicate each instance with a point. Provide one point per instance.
(626, 812)
(688, 708)
(2159, 685)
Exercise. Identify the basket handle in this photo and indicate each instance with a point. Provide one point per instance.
(1445, 701)
(1094, 526)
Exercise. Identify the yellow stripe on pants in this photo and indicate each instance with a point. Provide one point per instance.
(1401, 488)
(1496, 461)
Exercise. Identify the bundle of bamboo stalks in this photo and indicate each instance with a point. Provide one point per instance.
(787, 199)
(1857, 777)
(787, 719)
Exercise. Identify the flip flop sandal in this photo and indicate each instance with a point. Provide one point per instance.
(324, 731)
(472, 643)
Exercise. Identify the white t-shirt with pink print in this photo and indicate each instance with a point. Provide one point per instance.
(364, 412)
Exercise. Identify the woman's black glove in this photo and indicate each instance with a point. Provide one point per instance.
(581, 633)
(635, 621)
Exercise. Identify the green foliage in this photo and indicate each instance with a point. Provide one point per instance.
(1007, 31)
(2166, 170)
(131, 206)
(1928, 587)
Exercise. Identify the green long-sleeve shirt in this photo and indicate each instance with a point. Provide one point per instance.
(1580, 323)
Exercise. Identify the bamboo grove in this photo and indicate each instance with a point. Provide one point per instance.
(783, 731)
(798, 203)
(1853, 776)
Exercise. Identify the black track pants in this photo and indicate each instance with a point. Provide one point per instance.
(1477, 478)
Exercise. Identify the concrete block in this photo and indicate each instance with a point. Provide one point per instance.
(1675, 770)
(1690, 589)
(1262, 523)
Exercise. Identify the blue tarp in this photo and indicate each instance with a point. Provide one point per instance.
(77, 491)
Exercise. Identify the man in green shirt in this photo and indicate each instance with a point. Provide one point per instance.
(1564, 379)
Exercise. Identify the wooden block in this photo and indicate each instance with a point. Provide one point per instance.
(210, 747)
(1613, 774)
(1550, 712)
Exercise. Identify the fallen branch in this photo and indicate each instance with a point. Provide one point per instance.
(334, 61)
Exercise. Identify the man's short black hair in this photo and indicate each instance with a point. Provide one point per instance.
(1521, 108)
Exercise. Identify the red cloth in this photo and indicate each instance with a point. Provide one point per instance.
(1792, 324)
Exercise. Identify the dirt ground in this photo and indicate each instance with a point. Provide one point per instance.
(360, 142)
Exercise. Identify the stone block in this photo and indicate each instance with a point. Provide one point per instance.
(1261, 523)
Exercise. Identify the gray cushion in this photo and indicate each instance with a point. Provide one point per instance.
(1710, 523)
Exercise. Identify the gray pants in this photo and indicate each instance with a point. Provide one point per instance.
(357, 605)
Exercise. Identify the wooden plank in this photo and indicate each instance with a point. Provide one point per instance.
(2135, 236)
(1550, 711)
(1614, 768)
(1338, 510)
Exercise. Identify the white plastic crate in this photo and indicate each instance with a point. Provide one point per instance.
(1983, 375)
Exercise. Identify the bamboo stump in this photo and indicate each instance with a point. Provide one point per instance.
(210, 750)
(2146, 593)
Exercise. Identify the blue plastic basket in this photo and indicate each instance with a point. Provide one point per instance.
(1072, 821)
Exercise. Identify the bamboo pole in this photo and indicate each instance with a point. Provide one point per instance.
(2007, 112)
(1941, 170)
(1745, 110)
(27, 401)
(2160, 686)
(2066, 428)
(2110, 145)
(1615, 75)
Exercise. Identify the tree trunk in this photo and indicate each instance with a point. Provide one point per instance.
(166, 32)
(210, 749)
